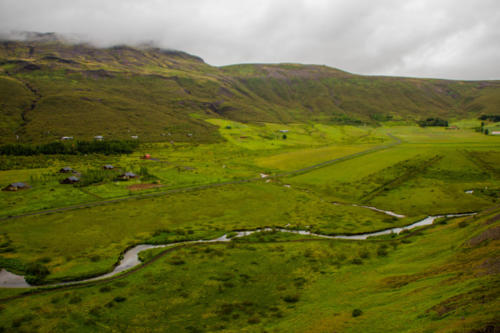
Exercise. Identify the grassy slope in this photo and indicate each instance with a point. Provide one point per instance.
(442, 279)
(125, 91)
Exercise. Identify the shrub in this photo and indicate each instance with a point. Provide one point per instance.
(177, 261)
(95, 311)
(254, 320)
(463, 224)
(357, 312)
(75, 299)
(37, 269)
(381, 252)
(357, 261)
(364, 254)
(291, 298)
(120, 299)
(105, 289)
(36, 273)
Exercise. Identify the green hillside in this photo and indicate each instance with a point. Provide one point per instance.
(51, 89)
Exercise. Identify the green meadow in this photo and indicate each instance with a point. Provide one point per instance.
(441, 278)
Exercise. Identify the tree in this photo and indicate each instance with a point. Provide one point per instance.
(284, 136)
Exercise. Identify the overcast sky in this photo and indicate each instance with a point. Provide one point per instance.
(456, 39)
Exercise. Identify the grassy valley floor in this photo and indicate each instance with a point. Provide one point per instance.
(440, 278)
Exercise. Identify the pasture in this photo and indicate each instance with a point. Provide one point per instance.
(264, 282)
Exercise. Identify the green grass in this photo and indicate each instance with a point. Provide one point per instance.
(431, 282)
(151, 93)
(105, 231)
(425, 281)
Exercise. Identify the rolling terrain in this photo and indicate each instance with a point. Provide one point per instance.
(50, 87)
(267, 198)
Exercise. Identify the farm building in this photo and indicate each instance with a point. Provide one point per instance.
(64, 138)
(135, 137)
(495, 133)
(108, 167)
(127, 176)
(98, 137)
(146, 157)
(65, 170)
(16, 187)
(70, 180)
(284, 131)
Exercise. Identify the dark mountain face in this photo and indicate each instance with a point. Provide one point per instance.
(49, 89)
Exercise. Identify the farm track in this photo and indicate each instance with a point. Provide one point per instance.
(392, 184)
(480, 163)
(396, 142)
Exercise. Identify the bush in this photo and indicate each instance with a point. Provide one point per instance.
(105, 289)
(381, 252)
(95, 258)
(433, 122)
(364, 254)
(120, 299)
(357, 312)
(357, 261)
(463, 224)
(176, 261)
(291, 298)
(75, 299)
(36, 273)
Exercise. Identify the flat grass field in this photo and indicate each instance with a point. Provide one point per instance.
(440, 278)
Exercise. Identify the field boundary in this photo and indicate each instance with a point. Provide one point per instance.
(206, 186)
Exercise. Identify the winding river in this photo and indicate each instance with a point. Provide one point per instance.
(131, 257)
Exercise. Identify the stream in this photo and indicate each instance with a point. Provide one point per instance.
(131, 257)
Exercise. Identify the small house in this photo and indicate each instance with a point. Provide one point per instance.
(70, 180)
(284, 131)
(495, 132)
(64, 138)
(108, 167)
(65, 170)
(146, 157)
(135, 137)
(16, 187)
(127, 176)
(98, 138)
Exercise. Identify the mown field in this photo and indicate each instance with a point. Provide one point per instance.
(439, 279)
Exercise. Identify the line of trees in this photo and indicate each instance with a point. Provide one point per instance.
(74, 148)
(433, 122)
(490, 117)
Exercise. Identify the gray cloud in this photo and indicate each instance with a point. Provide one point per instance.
(424, 38)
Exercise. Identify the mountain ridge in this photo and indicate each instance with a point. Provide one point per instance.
(49, 86)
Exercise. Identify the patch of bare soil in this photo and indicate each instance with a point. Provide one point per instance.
(492, 234)
(491, 266)
(480, 295)
(493, 219)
